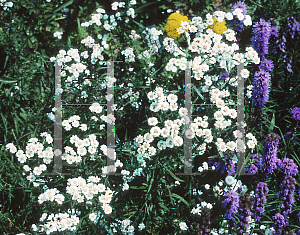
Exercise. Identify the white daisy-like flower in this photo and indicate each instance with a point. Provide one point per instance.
(152, 121)
(230, 180)
(245, 73)
(148, 137)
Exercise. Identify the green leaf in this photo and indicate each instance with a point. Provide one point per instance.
(6, 81)
(139, 24)
(198, 92)
(174, 176)
(272, 124)
(63, 5)
(180, 198)
(179, 3)
(170, 194)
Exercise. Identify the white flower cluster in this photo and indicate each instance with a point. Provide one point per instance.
(87, 145)
(116, 5)
(130, 12)
(74, 120)
(183, 226)
(204, 167)
(6, 5)
(51, 195)
(34, 147)
(199, 208)
(249, 91)
(133, 96)
(57, 223)
(129, 55)
(251, 143)
(81, 191)
(96, 107)
(209, 46)
(125, 226)
(134, 36)
(238, 12)
(58, 34)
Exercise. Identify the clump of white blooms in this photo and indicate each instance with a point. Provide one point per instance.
(198, 210)
(58, 34)
(6, 5)
(57, 223)
(183, 226)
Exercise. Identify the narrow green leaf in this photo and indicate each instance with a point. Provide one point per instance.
(6, 81)
(198, 92)
(272, 124)
(170, 194)
(179, 3)
(181, 199)
(174, 176)
(63, 5)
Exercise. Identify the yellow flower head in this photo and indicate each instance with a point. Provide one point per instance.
(173, 23)
(217, 27)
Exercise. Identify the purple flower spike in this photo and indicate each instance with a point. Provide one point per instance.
(270, 161)
(261, 35)
(295, 113)
(260, 199)
(279, 222)
(266, 65)
(288, 167)
(287, 194)
(261, 88)
(230, 204)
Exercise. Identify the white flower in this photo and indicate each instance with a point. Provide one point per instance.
(245, 73)
(230, 180)
(251, 144)
(207, 186)
(107, 208)
(93, 217)
(229, 16)
(142, 226)
(247, 21)
(183, 226)
(152, 121)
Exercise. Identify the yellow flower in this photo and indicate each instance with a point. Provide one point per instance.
(217, 27)
(173, 23)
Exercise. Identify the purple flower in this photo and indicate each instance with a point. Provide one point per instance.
(270, 161)
(266, 65)
(279, 223)
(224, 76)
(261, 34)
(241, 5)
(246, 204)
(287, 194)
(260, 199)
(261, 88)
(289, 135)
(288, 167)
(293, 27)
(230, 204)
(274, 31)
(238, 25)
(254, 164)
(295, 113)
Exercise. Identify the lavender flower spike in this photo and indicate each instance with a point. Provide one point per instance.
(270, 161)
(261, 88)
(261, 35)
